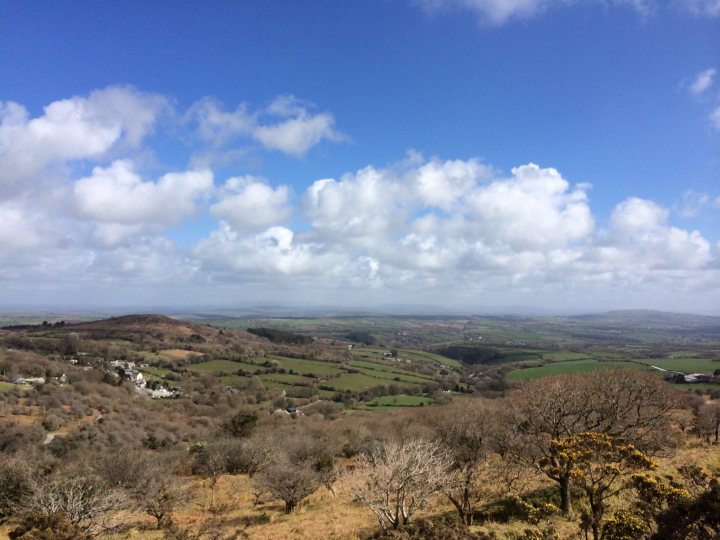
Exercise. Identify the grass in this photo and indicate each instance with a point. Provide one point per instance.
(401, 400)
(298, 365)
(217, 366)
(370, 367)
(686, 365)
(155, 371)
(287, 378)
(394, 376)
(356, 381)
(562, 356)
(424, 356)
(6, 387)
(570, 366)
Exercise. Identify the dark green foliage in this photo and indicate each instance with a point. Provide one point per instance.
(361, 336)
(468, 354)
(281, 336)
(696, 519)
(241, 424)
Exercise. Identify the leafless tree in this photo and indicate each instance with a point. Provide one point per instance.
(83, 498)
(465, 433)
(707, 421)
(627, 405)
(160, 493)
(16, 483)
(289, 482)
(396, 480)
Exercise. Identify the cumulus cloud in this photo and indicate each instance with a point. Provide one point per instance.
(118, 195)
(287, 124)
(272, 251)
(299, 131)
(702, 82)
(249, 202)
(72, 129)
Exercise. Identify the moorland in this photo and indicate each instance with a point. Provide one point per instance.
(360, 426)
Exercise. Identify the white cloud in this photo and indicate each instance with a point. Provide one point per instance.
(715, 118)
(248, 202)
(270, 252)
(361, 208)
(703, 81)
(637, 215)
(297, 131)
(498, 12)
(692, 203)
(18, 228)
(217, 125)
(706, 8)
(72, 129)
(534, 209)
(443, 184)
(117, 194)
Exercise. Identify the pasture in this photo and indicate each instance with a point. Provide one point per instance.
(570, 366)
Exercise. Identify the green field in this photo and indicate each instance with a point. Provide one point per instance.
(685, 365)
(563, 356)
(216, 366)
(376, 369)
(298, 365)
(387, 377)
(358, 381)
(570, 366)
(424, 356)
(401, 400)
(285, 378)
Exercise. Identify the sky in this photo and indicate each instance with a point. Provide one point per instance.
(465, 154)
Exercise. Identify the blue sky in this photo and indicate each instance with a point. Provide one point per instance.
(549, 153)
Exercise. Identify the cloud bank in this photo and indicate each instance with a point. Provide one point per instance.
(81, 212)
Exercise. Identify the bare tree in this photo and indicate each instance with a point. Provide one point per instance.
(300, 465)
(397, 479)
(16, 483)
(289, 482)
(83, 498)
(627, 405)
(707, 421)
(211, 461)
(160, 493)
(464, 432)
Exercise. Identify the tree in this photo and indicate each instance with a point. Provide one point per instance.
(210, 461)
(622, 404)
(16, 484)
(692, 518)
(159, 493)
(241, 424)
(465, 434)
(707, 422)
(397, 479)
(289, 482)
(598, 464)
(252, 455)
(78, 497)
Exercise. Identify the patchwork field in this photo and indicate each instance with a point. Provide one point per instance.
(570, 366)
